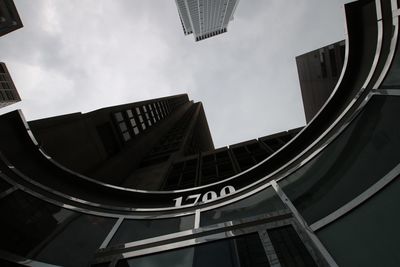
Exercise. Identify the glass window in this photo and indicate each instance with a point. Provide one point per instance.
(134, 230)
(365, 152)
(263, 202)
(133, 122)
(126, 136)
(246, 250)
(118, 116)
(144, 108)
(129, 113)
(137, 111)
(136, 130)
(123, 127)
(369, 233)
(289, 248)
(143, 126)
(47, 233)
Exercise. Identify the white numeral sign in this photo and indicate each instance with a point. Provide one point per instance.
(207, 197)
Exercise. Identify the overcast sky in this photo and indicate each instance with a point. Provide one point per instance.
(81, 55)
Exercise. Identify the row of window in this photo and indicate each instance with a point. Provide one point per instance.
(219, 165)
(5, 85)
(171, 141)
(132, 122)
(6, 95)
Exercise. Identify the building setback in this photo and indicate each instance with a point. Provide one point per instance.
(9, 18)
(8, 93)
(319, 71)
(205, 18)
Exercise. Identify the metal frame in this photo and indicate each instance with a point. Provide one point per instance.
(328, 258)
(229, 230)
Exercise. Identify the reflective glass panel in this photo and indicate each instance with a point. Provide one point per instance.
(134, 230)
(244, 250)
(366, 151)
(392, 80)
(368, 235)
(263, 202)
(37, 230)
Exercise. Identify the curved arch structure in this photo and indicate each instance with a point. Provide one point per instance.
(331, 190)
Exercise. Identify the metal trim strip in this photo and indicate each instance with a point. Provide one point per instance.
(393, 44)
(111, 233)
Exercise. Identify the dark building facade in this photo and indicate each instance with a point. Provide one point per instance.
(8, 93)
(328, 197)
(319, 72)
(158, 144)
(130, 145)
(9, 18)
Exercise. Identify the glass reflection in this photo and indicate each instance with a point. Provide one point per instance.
(133, 230)
(37, 230)
(392, 80)
(375, 223)
(263, 202)
(365, 152)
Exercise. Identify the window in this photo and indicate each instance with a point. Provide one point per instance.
(126, 136)
(118, 116)
(129, 113)
(122, 127)
(133, 122)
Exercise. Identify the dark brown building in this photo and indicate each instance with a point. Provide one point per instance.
(9, 18)
(131, 145)
(8, 93)
(319, 71)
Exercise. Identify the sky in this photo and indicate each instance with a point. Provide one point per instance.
(82, 55)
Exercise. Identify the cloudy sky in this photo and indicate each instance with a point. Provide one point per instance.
(81, 55)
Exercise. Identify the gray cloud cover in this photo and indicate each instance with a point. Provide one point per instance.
(80, 55)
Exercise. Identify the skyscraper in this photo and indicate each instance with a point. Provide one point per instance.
(131, 145)
(9, 18)
(328, 197)
(205, 18)
(8, 93)
(319, 72)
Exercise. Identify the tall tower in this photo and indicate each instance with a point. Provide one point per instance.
(319, 71)
(205, 18)
(131, 145)
(9, 18)
(8, 93)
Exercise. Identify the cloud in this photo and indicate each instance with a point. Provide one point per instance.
(82, 55)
